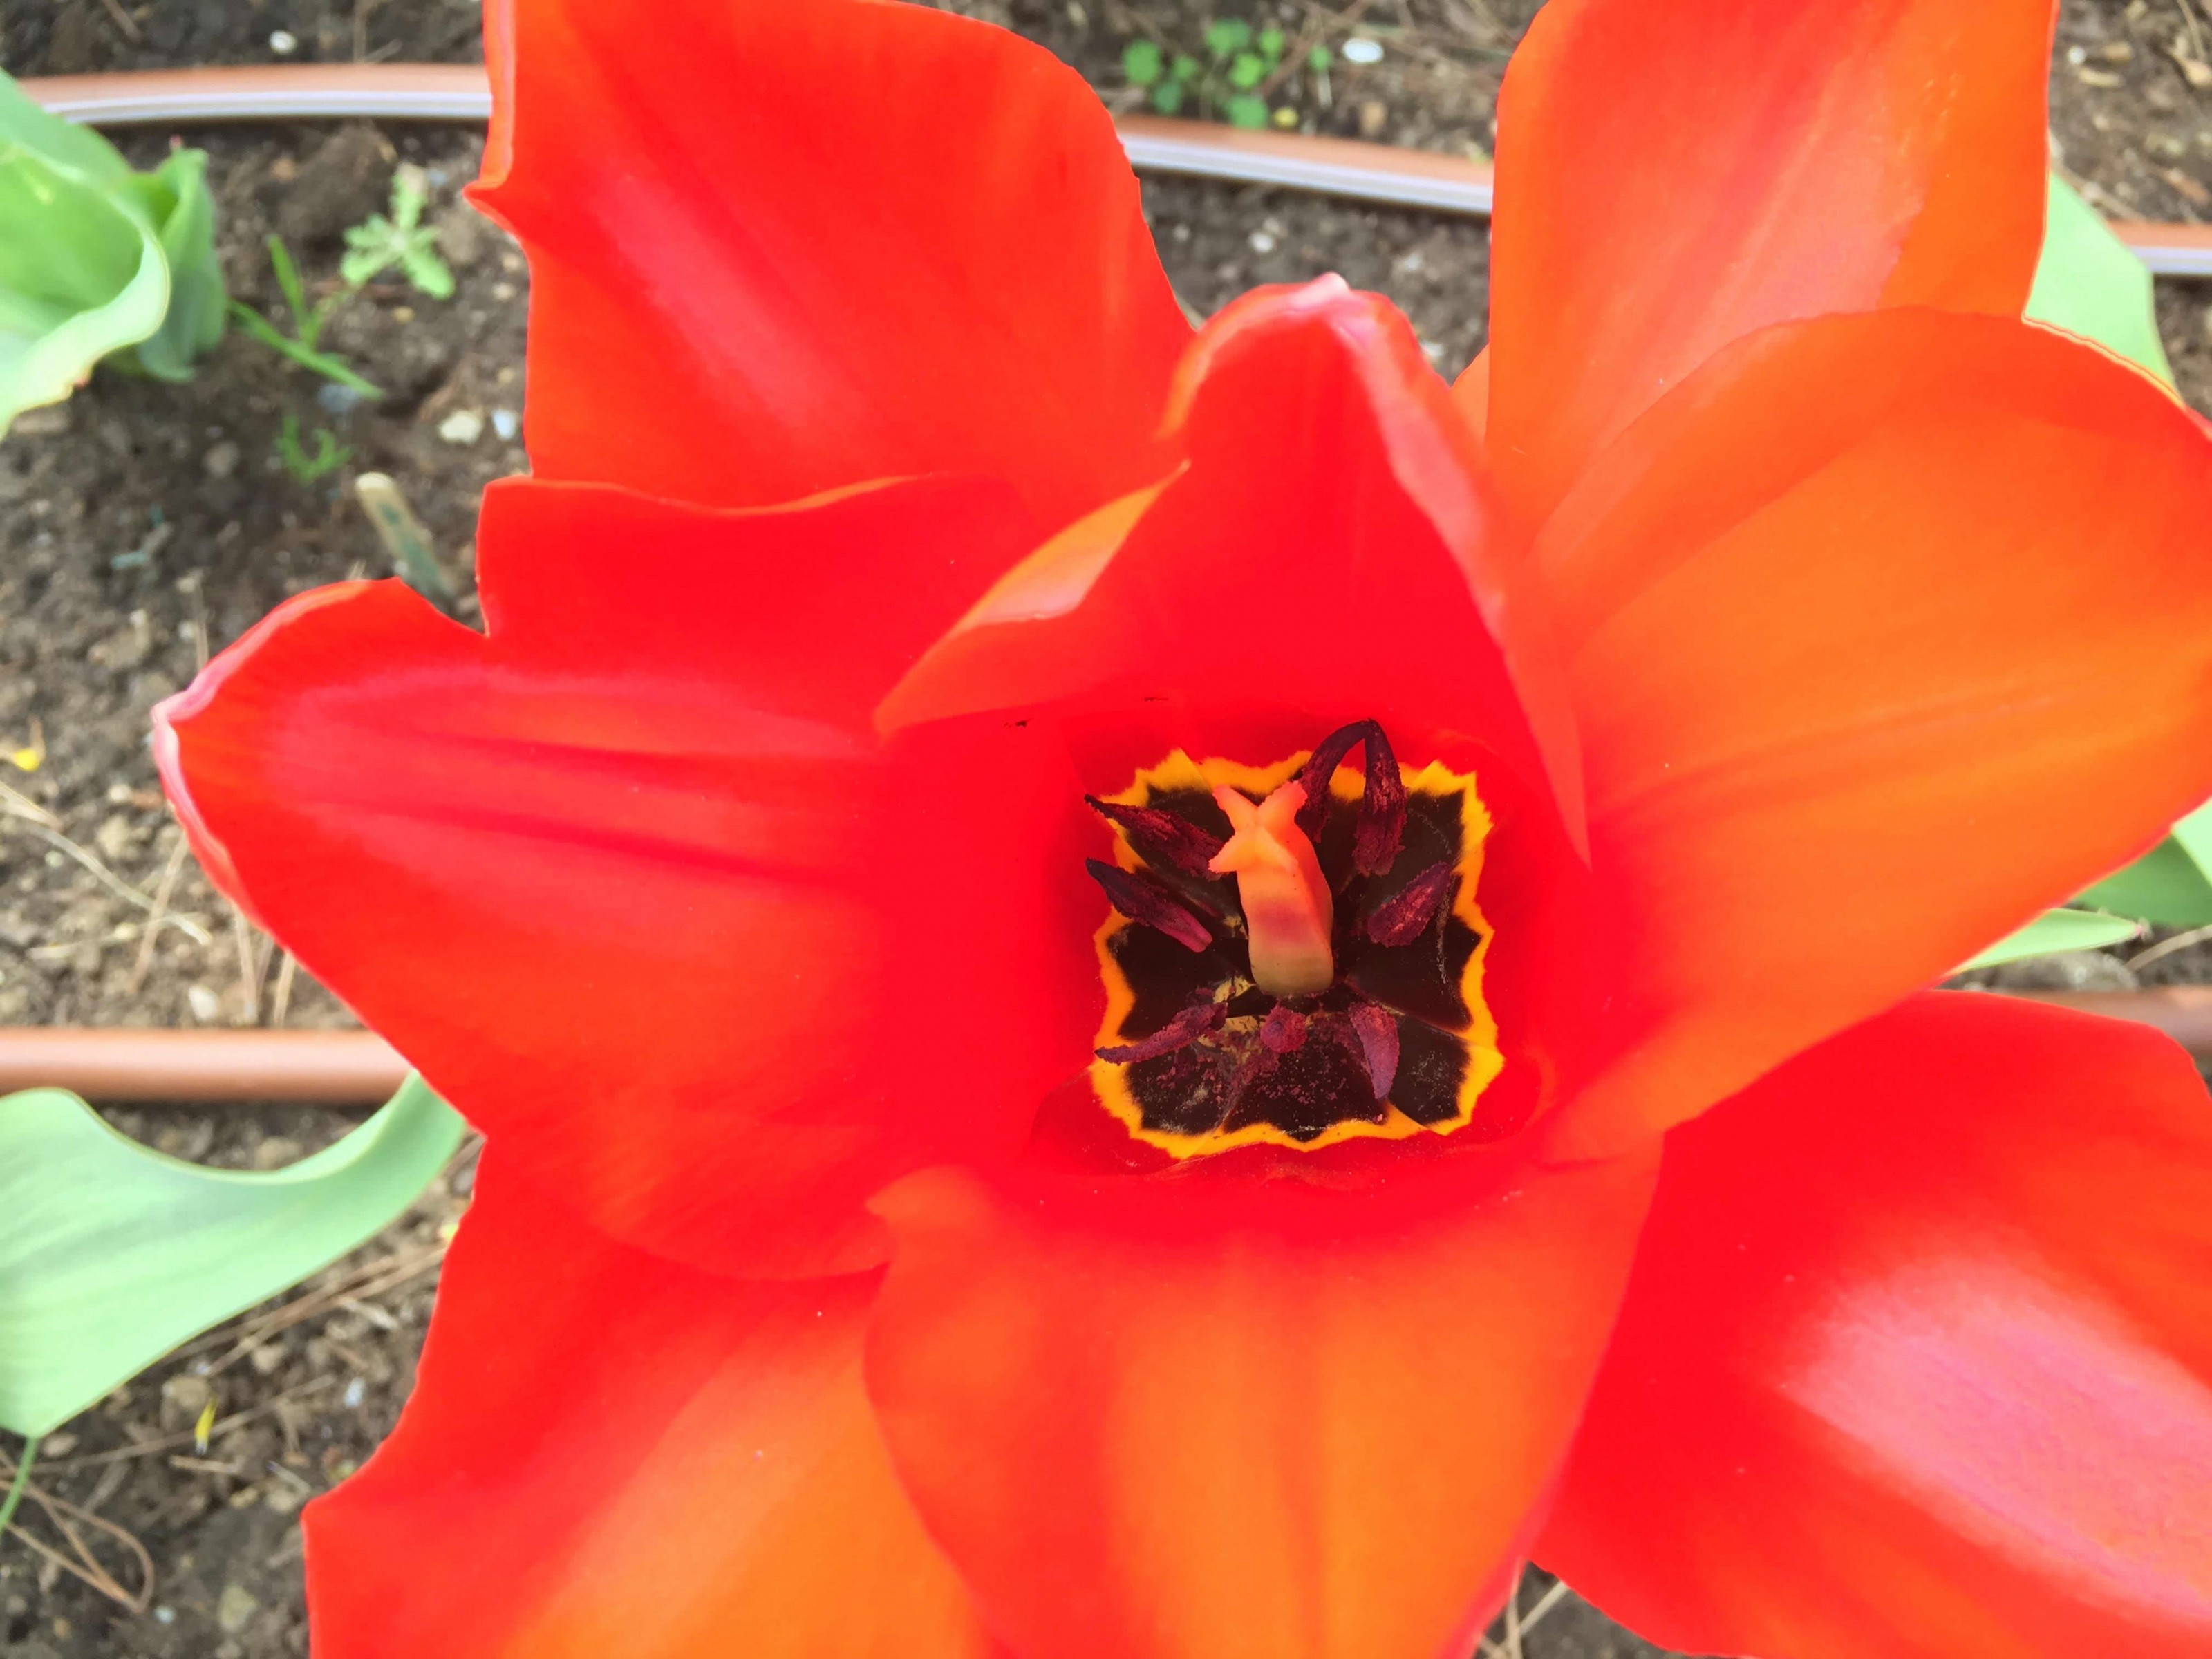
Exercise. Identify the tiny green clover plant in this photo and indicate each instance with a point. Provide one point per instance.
(97, 263)
(377, 245)
(2089, 284)
(1238, 60)
(110, 1254)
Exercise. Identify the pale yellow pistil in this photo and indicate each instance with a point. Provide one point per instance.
(1288, 911)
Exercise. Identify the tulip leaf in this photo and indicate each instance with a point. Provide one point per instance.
(2055, 931)
(2194, 835)
(95, 259)
(112, 1254)
(2089, 282)
(2165, 886)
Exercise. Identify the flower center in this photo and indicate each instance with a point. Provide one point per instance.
(1295, 955)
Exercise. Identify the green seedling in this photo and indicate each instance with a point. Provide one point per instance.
(1229, 79)
(403, 242)
(98, 264)
(307, 322)
(328, 456)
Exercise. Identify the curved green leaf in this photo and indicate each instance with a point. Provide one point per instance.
(112, 1254)
(2165, 885)
(2055, 931)
(2088, 282)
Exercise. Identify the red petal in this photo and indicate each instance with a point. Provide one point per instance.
(1884, 633)
(1672, 178)
(609, 1456)
(629, 880)
(1918, 1357)
(1195, 1416)
(777, 249)
(1326, 555)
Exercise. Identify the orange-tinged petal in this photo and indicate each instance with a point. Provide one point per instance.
(609, 1456)
(1884, 632)
(632, 881)
(1326, 554)
(775, 249)
(1203, 1418)
(1672, 178)
(1916, 1360)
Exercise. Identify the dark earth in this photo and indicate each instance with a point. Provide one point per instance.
(144, 525)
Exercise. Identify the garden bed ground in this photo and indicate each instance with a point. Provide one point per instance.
(143, 526)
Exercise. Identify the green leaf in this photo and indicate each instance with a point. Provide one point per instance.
(2089, 282)
(1320, 60)
(1140, 63)
(1167, 97)
(1227, 35)
(1185, 67)
(176, 194)
(1246, 112)
(1245, 70)
(80, 275)
(95, 258)
(111, 1254)
(2055, 931)
(323, 363)
(1270, 42)
(2165, 886)
(2194, 833)
(420, 262)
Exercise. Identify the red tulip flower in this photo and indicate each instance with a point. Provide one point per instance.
(1144, 994)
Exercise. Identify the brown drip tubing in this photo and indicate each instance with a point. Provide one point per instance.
(461, 92)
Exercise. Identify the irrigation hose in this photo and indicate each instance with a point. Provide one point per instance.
(461, 92)
(354, 1068)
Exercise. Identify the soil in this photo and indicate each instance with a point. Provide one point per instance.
(144, 525)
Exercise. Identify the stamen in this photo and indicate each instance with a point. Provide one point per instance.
(1185, 1029)
(1406, 915)
(1159, 837)
(1288, 908)
(1283, 1030)
(1377, 1032)
(1382, 828)
(1143, 899)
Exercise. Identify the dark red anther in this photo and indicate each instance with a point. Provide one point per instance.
(1382, 828)
(1160, 837)
(1377, 1031)
(1406, 915)
(1283, 1031)
(1143, 899)
(1185, 1029)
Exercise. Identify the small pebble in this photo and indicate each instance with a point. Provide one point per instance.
(221, 461)
(463, 425)
(235, 1607)
(338, 399)
(1362, 50)
(1262, 243)
(356, 1392)
(284, 42)
(506, 423)
(205, 1004)
(1374, 116)
(164, 1615)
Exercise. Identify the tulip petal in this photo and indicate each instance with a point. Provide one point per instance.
(631, 882)
(1326, 554)
(609, 1457)
(1201, 1418)
(1885, 632)
(1918, 1357)
(778, 249)
(1841, 156)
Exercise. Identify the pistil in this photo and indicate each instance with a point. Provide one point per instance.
(1288, 910)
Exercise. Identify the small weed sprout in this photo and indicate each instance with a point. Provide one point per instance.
(378, 244)
(328, 457)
